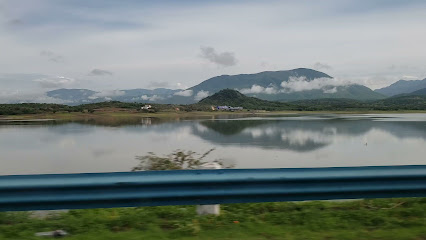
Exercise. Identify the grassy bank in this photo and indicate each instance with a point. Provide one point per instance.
(365, 219)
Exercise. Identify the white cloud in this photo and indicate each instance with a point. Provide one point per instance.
(321, 66)
(331, 90)
(299, 137)
(408, 77)
(185, 93)
(55, 82)
(256, 89)
(298, 84)
(152, 98)
(201, 94)
(108, 94)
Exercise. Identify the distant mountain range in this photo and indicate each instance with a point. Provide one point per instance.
(419, 92)
(289, 85)
(81, 96)
(284, 86)
(402, 86)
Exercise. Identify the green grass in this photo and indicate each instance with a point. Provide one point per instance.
(385, 219)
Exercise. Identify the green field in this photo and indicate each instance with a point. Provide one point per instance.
(384, 219)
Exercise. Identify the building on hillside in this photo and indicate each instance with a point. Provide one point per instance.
(229, 108)
(146, 107)
(222, 107)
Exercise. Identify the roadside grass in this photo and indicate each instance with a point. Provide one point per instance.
(387, 219)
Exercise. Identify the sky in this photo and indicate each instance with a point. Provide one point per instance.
(109, 44)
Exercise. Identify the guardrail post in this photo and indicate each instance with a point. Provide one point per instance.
(209, 209)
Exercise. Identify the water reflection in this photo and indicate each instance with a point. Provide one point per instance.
(301, 135)
(262, 142)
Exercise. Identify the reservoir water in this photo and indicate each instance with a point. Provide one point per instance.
(285, 141)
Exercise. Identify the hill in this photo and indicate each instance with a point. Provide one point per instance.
(402, 86)
(229, 97)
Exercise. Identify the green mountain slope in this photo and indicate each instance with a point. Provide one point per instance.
(338, 104)
(403, 102)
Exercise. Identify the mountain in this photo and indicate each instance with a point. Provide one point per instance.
(71, 95)
(158, 91)
(402, 86)
(263, 79)
(270, 86)
(79, 96)
(280, 86)
(229, 97)
(419, 92)
(354, 91)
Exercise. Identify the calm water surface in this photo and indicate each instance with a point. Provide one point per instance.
(252, 142)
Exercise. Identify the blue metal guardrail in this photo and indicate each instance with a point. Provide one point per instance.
(155, 188)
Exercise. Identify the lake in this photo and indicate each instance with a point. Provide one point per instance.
(282, 141)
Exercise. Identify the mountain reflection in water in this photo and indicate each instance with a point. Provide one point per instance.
(301, 135)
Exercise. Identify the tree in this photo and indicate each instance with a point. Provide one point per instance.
(178, 160)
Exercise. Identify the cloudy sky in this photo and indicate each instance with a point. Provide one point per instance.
(109, 44)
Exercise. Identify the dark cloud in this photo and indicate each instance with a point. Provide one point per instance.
(51, 56)
(322, 66)
(224, 59)
(15, 22)
(99, 72)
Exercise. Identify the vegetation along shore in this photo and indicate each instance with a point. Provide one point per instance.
(225, 97)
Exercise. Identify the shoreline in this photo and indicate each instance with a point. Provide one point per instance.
(175, 115)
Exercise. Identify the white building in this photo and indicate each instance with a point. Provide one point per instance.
(146, 107)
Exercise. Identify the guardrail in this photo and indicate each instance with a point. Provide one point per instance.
(194, 187)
